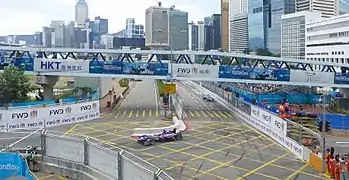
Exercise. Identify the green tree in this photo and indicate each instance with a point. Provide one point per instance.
(246, 51)
(263, 52)
(15, 85)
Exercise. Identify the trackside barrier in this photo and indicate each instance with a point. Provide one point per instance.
(85, 158)
(259, 122)
(37, 118)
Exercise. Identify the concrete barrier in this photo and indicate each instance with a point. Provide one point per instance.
(72, 170)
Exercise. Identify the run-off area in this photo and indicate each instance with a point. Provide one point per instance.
(210, 150)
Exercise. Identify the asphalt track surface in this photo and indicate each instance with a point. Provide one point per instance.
(141, 103)
(196, 108)
(214, 148)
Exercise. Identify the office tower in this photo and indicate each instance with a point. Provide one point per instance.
(100, 25)
(163, 24)
(69, 37)
(343, 6)
(81, 12)
(238, 25)
(213, 37)
(58, 37)
(107, 41)
(328, 8)
(193, 36)
(264, 23)
(201, 35)
(239, 32)
(225, 25)
(47, 37)
(38, 39)
(133, 30)
(293, 33)
(56, 23)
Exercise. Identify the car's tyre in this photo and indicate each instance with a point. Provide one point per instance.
(152, 142)
(179, 136)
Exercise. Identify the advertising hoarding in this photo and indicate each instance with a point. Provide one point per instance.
(61, 65)
(195, 71)
(312, 76)
(229, 72)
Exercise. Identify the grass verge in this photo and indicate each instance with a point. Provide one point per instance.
(161, 85)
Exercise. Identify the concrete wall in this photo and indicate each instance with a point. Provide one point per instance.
(102, 84)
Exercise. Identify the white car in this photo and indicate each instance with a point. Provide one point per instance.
(208, 97)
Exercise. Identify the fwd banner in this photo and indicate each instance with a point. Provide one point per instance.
(312, 76)
(30, 118)
(274, 122)
(195, 70)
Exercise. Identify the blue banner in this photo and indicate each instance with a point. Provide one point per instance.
(254, 73)
(341, 78)
(131, 68)
(12, 165)
(26, 63)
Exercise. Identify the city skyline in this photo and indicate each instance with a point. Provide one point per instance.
(28, 17)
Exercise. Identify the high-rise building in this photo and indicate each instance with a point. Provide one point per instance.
(107, 41)
(238, 25)
(213, 36)
(225, 25)
(38, 39)
(328, 8)
(81, 12)
(239, 32)
(163, 24)
(56, 23)
(264, 23)
(343, 6)
(133, 30)
(69, 37)
(293, 33)
(193, 36)
(100, 25)
(47, 37)
(201, 35)
(58, 37)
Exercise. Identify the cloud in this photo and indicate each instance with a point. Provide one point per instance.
(28, 16)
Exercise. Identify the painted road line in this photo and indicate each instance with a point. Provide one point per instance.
(210, 114)
(216, 114)
(191, 113)
(117, 114)
(228, 114)
(202, 112)
(222, 114)
(197, 113)
(137, 113)
(184, 113)
(150, 113)
(71, 129)
(157, 113)
(143, 113)
(124, 114)
(130, 114)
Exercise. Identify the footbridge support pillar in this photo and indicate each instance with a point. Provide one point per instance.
(47, 82)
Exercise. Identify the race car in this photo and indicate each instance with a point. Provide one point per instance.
(207, 97)
(150, 140)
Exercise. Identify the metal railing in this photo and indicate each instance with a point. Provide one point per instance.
(67, 152)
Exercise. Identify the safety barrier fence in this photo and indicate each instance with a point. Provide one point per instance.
(289, 134)
(86, 158)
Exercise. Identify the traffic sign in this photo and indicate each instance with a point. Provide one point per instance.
(170, 89)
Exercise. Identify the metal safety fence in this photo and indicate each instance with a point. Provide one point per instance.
(83, 157)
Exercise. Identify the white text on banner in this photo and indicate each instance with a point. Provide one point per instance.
(312, 76)
(276, 123)
(194, 70)
(61, 65)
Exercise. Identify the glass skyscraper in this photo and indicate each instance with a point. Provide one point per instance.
(264, 23)
(343, 6)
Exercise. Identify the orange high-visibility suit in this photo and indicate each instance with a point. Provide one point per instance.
(338, 171)
(327, 159)
(347, 164)
(332, 165)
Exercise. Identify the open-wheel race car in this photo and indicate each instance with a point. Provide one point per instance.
(164, 136)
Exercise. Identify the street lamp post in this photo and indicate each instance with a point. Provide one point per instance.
(323, 134)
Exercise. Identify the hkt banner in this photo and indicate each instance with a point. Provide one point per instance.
(312, 76)
(274, 122)
(254, 73)
(195, 70)
(61, 65)
(49, 116)
(131, 68)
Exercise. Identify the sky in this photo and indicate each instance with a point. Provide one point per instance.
(28, 16)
